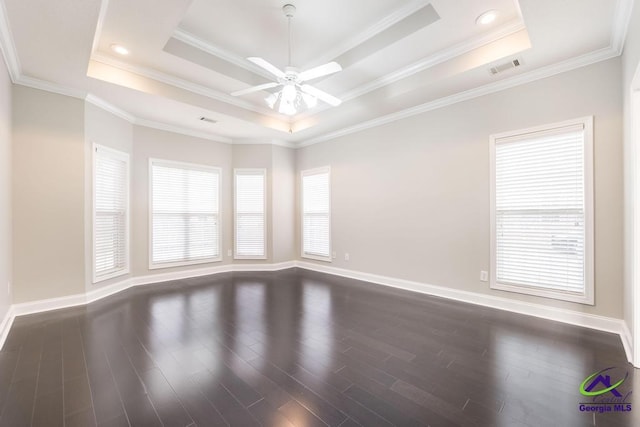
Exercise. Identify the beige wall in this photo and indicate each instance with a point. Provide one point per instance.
(64, 129)
(280, 165)
(104, 128)
(413, 196)
(283, 199)
(630, 64)
(6, 89)
(402, 208)
(151, 143)
(48, 195)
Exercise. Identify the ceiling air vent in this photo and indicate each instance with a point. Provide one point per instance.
(207, 119)
(501, 68)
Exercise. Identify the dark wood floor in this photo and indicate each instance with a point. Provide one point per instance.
(297, 348)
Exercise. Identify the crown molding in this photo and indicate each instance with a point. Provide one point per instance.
(116, 111)
(538, 74)
(106, 106)
(619, 33)
(47, 86)
(621, 21)
(425, 63)
(7, 46)
(183, 131)
(101, 103)
(182, 84)
(102, 16)
(403, 12)
(258, 141)
(435, 59)
(395, 17)
(198, 43)
(518, 8)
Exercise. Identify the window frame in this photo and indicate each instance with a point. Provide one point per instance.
(119, 155)
(190, 166)
(249, 171)
(310, 172)
(587, 297)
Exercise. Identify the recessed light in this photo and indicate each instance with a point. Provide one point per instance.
(487, 18)
(119, 49)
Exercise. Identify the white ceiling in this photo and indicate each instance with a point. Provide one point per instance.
(398, 57)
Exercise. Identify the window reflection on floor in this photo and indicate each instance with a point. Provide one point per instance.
(317, 328)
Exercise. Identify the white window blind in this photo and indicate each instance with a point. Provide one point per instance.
(316, 215)
(250, 213)
(110, 213)
(185, 214)
(542, 211)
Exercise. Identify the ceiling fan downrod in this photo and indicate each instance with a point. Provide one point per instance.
(289, 11)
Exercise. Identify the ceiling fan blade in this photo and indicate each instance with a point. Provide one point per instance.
(255, 89)
(267, 66)
(319, 71)
(324, 96)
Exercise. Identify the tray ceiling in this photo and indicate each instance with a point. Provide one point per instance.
(398, 57)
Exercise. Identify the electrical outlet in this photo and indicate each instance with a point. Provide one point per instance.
(346, 256)
(484, 276)
(333, 255)
(229, 252)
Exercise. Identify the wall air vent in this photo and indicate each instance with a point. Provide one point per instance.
(501, 68)
(208, 120)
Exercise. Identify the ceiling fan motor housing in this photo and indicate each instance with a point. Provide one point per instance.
(290, 76)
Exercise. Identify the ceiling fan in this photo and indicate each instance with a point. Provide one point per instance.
(295, 92)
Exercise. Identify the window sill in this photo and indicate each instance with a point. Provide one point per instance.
(317, 257)
(98, 279)
(586, 298)
(183, 263)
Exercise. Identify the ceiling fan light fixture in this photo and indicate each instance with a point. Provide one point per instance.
(272, 99)
(296, 94)
(287, 107)
(289, 93)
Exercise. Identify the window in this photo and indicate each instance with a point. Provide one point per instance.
(542, 211)
(185, 215)
(110, 213)
(316, 214)
(250, 213)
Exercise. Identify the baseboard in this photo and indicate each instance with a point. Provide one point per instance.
(5, 326)
(264, 267)
(105, 291)
(179, 275)
(601, 323)
(50, 304)
(627, 341)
